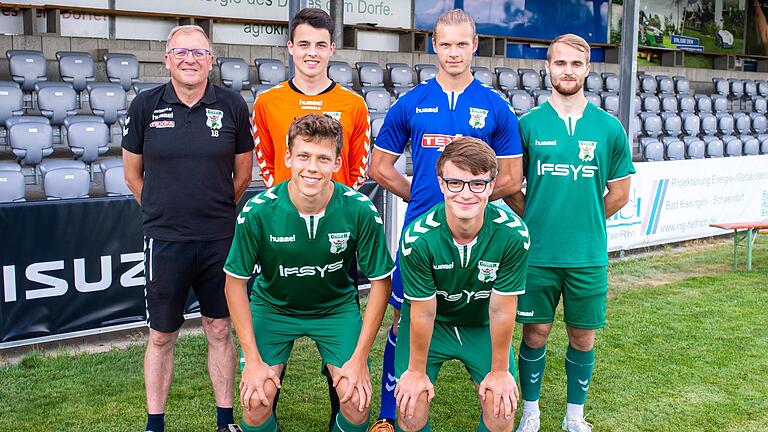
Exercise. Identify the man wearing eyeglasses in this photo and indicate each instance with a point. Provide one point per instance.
(463, 263)
(188, 154)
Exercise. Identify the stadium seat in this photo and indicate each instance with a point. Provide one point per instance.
(611, 82)
(144, 86)
(725, 123)
(66, 183)
(674, 149)
(594, 98)
(370, 74)
(665, 85)
(122, 69)
(691, 124)
(540, 96)
(341, 72)
(270, 72)
(669, 103)
(593, 83)
(686, 103)
(31, 142)
(483, 74)
(530, 80)
(762, 88)
(743, 126)
(638, 105)
(376, 123)
(507, 79)
(672, 124)
(88, 140)
(646, 84)
(401, 78)
(521, 101)
(652, 149)
(703, 104)
(11, 103)
(56, 101)
(114, 182)
(682, 85)
(750, 88)
(708, 124)
(651, 103)
(651, 124)
(110, 162)
(76, 68)
(425, 71)
(49, 165)
(378, 100)
(546, 81)
(635, 128)
(721, 86)
(26, 119)
(11, 186)
(107, 101)
(759, 104)
(733, 147)
(27, 68)
(611, 104)
(759, 127)
(736, 87)
(714, 146)
(695, 148)
(234, 72)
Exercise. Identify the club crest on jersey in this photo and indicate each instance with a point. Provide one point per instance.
(487, 271)
(214, 118)
(587, 150)
(338, 242)
(477, 117)
(333, 114)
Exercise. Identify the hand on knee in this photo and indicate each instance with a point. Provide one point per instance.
(414, 424)
(351, 409)
(500, 423)
(257, 414)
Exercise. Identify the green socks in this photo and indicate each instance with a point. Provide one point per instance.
(269, 426)
(344, 425)
(578, 369)
(532, 362)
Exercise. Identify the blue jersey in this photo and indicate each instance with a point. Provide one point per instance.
(431, 118)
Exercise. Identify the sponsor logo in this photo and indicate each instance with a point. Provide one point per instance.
(214, 118)
(302, 271)
(535, 377)
(162, 110)
(524, 313)
(285, 239)
(437, 141)
(587, 150)
(477, 117)
(338, 242)
(565, 170)
(443, 266)
(333, 114)
(584, 384)
(162, 124)
(125, 129)
(311, 105)
(162, 115)
(459, 296)
(546, 143)
(426, 110)
(487, 271)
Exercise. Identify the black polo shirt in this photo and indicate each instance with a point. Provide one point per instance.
(189, 156)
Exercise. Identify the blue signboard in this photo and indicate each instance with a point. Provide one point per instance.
(684, 40)
(697, 48)
(535, 19)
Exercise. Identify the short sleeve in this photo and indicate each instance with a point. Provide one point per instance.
(244, 136)
(621, 155)
(372, 254)
(244, 252)
(505, 140)
(416, 272)
(395, 131)
(133, 132)
(513, 268)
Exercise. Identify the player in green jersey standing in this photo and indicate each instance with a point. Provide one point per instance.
(303, 234)
(463, 264)
(572, 152)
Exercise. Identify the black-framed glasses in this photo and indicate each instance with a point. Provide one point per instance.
(182, 53)
(475, 185)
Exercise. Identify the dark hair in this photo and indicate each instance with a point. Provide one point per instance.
(470, 154)
(316, 18)
(315, 128)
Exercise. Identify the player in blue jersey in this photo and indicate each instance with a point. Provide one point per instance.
(432, 114)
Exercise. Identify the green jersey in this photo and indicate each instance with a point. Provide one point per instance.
(303, 259)
(567, 163)
(462, 276)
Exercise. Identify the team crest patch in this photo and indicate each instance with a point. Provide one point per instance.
(333, 114)
(477, 117)
(338, 242)
(587, 150)
(214, 118)
(487, 271)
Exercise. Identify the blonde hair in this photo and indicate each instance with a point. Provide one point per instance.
(454, 17)
(572, 40)
(187, 29)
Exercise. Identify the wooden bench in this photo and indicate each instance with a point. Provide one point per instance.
(751, 230)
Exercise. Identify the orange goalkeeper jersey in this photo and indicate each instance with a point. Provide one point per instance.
(275, 109)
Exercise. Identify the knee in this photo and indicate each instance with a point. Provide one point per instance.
(535, 336)
(258, 414)
(582, 342)
(217, 330)
(498, 424)
(161, 340)
(351, 410)
(414, 424)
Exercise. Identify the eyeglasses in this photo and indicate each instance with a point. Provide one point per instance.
(197, 53)
(475, 185)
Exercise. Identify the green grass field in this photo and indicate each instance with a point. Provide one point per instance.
(685, 349)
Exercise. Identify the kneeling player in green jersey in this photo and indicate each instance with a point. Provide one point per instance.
(463, 263)
(572, 152)
(303, 234)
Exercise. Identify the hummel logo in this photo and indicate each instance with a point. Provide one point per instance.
(584, 384)
(535, 378)
(426, 110)
(546, 143)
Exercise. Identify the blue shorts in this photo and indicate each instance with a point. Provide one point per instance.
(396, 299)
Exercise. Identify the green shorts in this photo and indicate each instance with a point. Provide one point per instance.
(584, 291)
(335, 335)
(471, 345)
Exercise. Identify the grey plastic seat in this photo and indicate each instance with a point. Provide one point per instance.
(114, 182)
(82, 118)
(401, 77)
(733, 147)
(270, 72)
(378, 100)
(546, 81)
(593, 83)
(672, 124)
(341, 72)
(674, 148)
(66, 183)
(76, 68)
(376, 124)
(695, 148)
(234, 72)
(646, 84)
(714, 146)
(139, 87)
(370, 74)
(611, 104)
(540, 96)
(682, 85)
(762, 88)
(26, 119)
(652, 149)
(750, 88)
(110, 162)
(507, 79)
(483, 74)
(88, 140)
(686, 103)
(107, 101)
(49, 165)
(691, 124)
(27, 68)
(708, 124)
(11, 186)
(759, 104)
(611, 82)
(737, 88)
(722, 87)
(651, 103)
(594, 98)
(651, 123)
(665, 85)
(635, 128)
(11, 101)
(56, 101)
(669, 104)
(725, 124)
(425, 71)
(122, 69)
(751, 146)
(638, 107)
(31, 142)
(529, 80)
(10, 166)
(703, 104)
(521, 101)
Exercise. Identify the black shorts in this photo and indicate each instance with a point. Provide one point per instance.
(172, 268)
